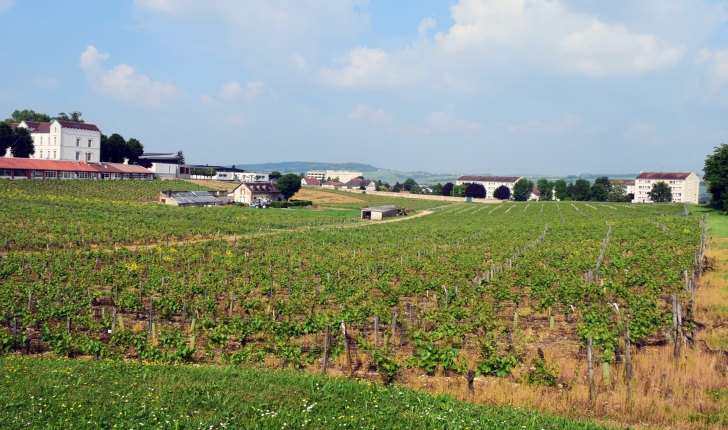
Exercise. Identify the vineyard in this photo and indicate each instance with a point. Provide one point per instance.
(561, 297)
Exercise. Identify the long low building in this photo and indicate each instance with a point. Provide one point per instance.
(378, 213)
(27, 168)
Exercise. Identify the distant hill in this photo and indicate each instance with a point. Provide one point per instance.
(305, 166)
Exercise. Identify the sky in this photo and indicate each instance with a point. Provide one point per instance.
(463, 86)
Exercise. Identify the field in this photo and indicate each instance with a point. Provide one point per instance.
(491, 304)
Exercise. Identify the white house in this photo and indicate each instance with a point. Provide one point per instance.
(252, 177)
(63, 140)
(166, 165)
(310, 182)
(491, 183)
(685, 187)
(330, 175)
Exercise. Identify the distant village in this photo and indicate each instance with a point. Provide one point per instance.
(64, 149)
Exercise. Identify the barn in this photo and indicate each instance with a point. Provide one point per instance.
(380, 212)
(188, 198)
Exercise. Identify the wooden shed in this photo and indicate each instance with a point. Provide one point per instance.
(380, 212)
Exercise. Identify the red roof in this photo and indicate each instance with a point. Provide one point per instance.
(45, 127)
(663, 175)
(72, 166)
(334, 183)
(311, 181)
(489, 178)
(536, 192)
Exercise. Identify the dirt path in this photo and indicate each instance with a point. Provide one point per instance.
(235, 237)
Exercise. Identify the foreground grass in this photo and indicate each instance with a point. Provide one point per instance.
(39, 393)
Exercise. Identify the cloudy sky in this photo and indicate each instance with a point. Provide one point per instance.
(499, 86)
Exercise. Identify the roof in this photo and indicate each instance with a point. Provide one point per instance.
(191, 197)
(259, 187)
(45, 127)
(624, 181)
(663, 175)
(356, 182)
(490, 178)
(334, 183)
(70, 166)
(382, 208)
(311, 181)
(536, 192)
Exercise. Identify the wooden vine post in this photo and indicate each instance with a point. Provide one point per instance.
(327, 341)
(590, 366)
(348, 350)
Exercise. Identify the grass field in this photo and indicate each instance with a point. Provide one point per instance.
(215, 299)
(76, 394)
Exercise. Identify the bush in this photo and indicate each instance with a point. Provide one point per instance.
(291, 204)
(475, 190)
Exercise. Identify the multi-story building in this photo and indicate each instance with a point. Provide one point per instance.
(63, 140)
(491, 183)
(25, 168)
(330, 175)
(685, 187)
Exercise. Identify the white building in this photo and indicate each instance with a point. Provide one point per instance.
(685, 187)
(491, 183)
(252, 177)
(63, 140)
(166, 165)
(330, 175)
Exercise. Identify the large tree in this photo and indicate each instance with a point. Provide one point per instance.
(113, 148)
(22, 146)
(437, 189)
(447, 189)
(522, 190)
(716, 176)
(6, 138)
(27, 115)
(618, 193)
(134, 150)
(409, 184)
(582, 190)
(599, 192)
(74, 116)
(560, 190)
(603, 180)
(459, 190)
(660, 193)
(181, 156)
(289, 185)
(546, 188)
(274, 175)
(502, 193)
(475, 190)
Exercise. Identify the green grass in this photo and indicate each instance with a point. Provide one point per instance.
(37, 393)
(717, 220)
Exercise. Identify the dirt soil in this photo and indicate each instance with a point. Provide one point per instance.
(218, 185)
(319, 197)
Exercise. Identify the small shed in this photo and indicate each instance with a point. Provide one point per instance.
(380, 212)
(188, 198)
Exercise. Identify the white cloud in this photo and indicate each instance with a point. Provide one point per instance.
(364, 113)
(238, 118)
(443, 122)
(124, 83)
(716, 63)
(639, 130)
(207, 100)
(300, 61)
(491, 34)
(569, 122)
(5, 5)
(233, 90)
(49, 83)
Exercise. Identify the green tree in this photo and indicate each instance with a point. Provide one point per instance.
(447, 189)
(113, 148)
(603, 180)
(409, 184)
(546, 188)
(599, 192)
(181, 156)
(660, 193)
(27, 115)
(560, 189)
(582, 190)
(6, 138)
(716, 176)
(618, 193)
(274, 175)
(502, 193)
(416, 190)
(459, 190)
(74, 116)
(437, 189)
(383, 188)
(522, 190)
(22, 146)
(134, 150)
(475, 190)
(203, 171)
(289, 185)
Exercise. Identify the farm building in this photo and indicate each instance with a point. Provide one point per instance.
(329, 175)
(310, 182)
(685, 186)
(256, 192)
(380, 212)
(331, 184)
(358, 184)
(188, 198)
(28, 168)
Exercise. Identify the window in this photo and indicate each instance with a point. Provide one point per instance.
(20, 173)
(54, 140)
(88, 157)
(6, 173)
(51, 174)
(107, 175)
(78, 156)
(115, 175)
(68, 175)
(82, 175)
(89, 143)
(54, 155)
(37, 173)
(41, 153)
(78, 141)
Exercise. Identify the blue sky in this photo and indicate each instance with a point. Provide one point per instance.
(465, 86)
